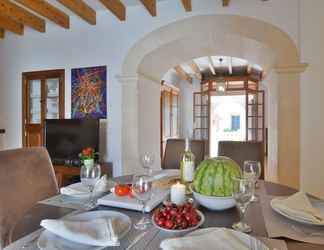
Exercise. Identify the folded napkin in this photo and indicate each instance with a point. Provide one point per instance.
(79, 189)
(218, 239)
(299, 206)
(96, 232)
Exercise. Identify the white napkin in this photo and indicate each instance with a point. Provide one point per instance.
(218, 239)
(299, 206)
(78, 189)
(96, 232)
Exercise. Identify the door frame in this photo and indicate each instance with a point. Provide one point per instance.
(41, 75)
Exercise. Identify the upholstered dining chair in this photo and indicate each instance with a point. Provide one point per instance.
(26, 177)
(240, 151)
(174, 150)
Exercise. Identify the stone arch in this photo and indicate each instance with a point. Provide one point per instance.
(238, 36)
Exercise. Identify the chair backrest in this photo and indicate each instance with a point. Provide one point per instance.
(26, 177)
(174, 150)
(241, 151)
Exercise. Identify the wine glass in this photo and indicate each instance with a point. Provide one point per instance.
(242, 193)
(147, 161)
(89, 176)
(252, 169)
(142, 191)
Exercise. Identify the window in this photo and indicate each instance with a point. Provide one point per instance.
(235, 122)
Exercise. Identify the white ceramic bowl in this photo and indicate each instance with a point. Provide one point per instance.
(213, 202)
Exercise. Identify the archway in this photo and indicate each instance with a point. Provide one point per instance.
(237, 36)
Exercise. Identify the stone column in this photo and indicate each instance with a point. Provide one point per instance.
(130, 159)
(289, 124)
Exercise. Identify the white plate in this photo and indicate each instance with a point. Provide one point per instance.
(85, 193)
(300, 220)
(168, 172)
(201, 222)
(245, 238)
(50, 241)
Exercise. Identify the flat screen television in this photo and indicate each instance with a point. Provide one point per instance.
(65, 139)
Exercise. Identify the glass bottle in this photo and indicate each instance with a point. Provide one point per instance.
(187, 167)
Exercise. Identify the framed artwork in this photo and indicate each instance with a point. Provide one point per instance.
(89, 92)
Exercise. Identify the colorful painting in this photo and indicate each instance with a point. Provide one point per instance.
(89, 96)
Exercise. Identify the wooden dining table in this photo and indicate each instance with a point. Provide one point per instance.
(153, 237)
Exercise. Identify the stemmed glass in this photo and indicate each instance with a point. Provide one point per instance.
(89, 176)
(142, 191)
(242, 193)
(147, 161)
(252, 169)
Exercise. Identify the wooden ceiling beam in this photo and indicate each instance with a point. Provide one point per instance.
(187, 5)
(2, 33)
(116, 7)
(11, 25)
(21, 15)
(150, 5)
(82, 9)
(182, 74)
(226, 3)
(196, 70)
(47, 10)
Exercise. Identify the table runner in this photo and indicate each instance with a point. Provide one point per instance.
(279, 226)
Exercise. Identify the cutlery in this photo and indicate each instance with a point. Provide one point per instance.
(137, 239)
(30, 242)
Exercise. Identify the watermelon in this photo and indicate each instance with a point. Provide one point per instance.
(213, 176)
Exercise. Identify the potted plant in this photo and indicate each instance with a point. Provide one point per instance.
(87, 156)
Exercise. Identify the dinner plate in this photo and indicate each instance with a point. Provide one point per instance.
(48, 240)
(248, 240)
(187, 230)
(84, 191)
(318, 205)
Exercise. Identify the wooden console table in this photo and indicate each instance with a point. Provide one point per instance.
(65, 173)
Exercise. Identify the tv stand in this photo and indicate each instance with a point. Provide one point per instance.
(64, 173)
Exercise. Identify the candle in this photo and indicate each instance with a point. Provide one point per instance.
(178, 193)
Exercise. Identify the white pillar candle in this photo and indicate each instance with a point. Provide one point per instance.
(178, 193)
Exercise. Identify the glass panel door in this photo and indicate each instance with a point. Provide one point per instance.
(52, 98)
(255, 115)
(35, 102)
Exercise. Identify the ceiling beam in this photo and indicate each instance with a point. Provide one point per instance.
(80, 8)
(2, 33)
(11, 25)
(226, 3)
(47, 10)
(116, 7)
(21, 15)
(150, 5)
(182, 74)
(187, 5)
(211, 65)
(196, 70)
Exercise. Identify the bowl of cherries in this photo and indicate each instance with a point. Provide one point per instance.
(177, 218)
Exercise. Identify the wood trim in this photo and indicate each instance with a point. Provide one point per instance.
(82, 9)
(11, 25)
(226, 3)
(47, 10)
(150, 5)
(2, 33)
(21, 15)
(187, 5)
(182, 74)
(196, 70)
(116, 7)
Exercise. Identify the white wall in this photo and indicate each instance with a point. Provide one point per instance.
(312, 100)
(108, 42)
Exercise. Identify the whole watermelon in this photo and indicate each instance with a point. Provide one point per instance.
(213, 176)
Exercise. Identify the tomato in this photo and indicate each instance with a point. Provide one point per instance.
(122, 190)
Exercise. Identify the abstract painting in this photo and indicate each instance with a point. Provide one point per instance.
(88, 92)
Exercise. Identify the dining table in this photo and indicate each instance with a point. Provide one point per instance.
(151, 239)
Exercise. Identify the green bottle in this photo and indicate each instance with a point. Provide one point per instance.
(187, 167)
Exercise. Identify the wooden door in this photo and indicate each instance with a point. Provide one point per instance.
(255, 116)
(43, 98)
